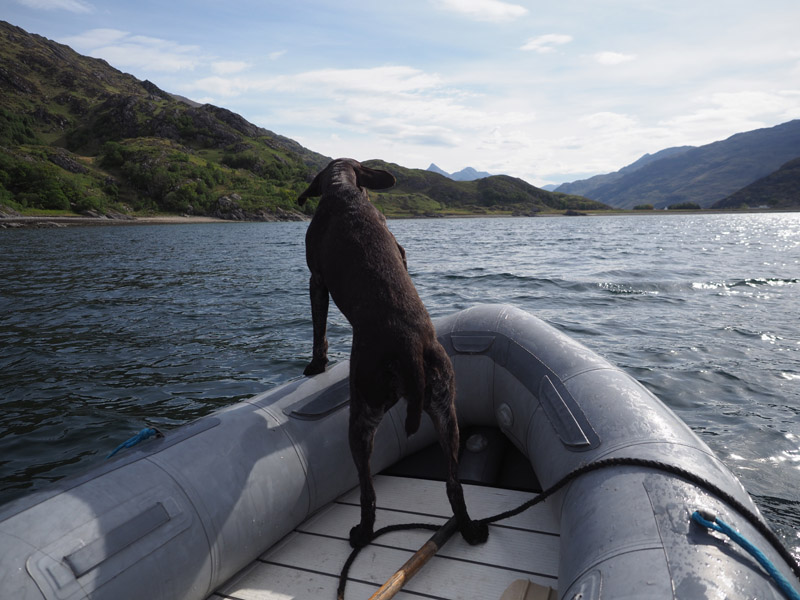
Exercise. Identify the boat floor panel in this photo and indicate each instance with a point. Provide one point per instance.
(307, 562)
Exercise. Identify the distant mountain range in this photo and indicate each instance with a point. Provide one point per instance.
(78, 135)
(707, 175)
(465, 174)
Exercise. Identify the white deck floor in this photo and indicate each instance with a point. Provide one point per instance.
(307, 562)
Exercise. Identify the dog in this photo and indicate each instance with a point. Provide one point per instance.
(395, 353)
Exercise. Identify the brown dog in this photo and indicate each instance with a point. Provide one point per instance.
(353, 256)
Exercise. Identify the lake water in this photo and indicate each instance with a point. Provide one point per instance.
(104, 330)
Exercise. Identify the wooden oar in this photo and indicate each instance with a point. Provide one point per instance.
(396, 582)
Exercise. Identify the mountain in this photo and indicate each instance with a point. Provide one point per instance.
(78, 135)
(469, 174)
(465, 174)
(586, 187)
(705, 175)
(435, 169)
(780, 189)
(425, 192)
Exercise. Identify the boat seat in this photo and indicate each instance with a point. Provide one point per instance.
(525, 589)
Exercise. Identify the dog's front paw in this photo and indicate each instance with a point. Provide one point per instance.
(475, 532)
(360, 538)
(315, 367)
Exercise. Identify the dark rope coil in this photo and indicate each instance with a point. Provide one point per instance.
(700, 482)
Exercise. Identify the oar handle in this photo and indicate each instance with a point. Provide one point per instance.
(396, 582)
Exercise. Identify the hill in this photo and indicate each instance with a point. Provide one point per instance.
(586, 187)
(426, 193)
(465, 174)
(78, 135)
(780, 190)
(705, 174)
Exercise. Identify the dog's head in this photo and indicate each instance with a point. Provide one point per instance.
(346, 171)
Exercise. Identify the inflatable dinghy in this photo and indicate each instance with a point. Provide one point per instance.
(255, 501)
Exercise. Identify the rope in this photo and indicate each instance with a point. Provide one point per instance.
(388, 529)
(710, 521)
(144, 434)
(700, 482)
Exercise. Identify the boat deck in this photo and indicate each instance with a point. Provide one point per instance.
(306, 563)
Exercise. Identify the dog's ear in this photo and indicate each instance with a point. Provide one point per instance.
(312, 190)
(374, 179)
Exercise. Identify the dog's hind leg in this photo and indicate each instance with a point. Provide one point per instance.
(441, 408)
(319, 318)
(363, 424)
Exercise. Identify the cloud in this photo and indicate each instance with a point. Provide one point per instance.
(721, 114)
(75, 6)
(485, 10)
(613, 58)
(124, 50)
(276, 55)
(95, 38)
(545, 44)
(381, 108)
(228, 67)
(608, 121)
(377, 80)
(386, 80)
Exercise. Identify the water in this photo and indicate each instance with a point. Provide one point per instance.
(106, 330)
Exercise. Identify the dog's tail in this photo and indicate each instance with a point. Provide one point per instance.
(414, 388)
(431, 383)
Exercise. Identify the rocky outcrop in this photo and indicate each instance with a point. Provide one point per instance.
(230, 209)
(65, 160)
(227, 207)
(7, 212)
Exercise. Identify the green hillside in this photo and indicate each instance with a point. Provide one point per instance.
(80, 135)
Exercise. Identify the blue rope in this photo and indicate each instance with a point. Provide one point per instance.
(144, 434)
(709, 521)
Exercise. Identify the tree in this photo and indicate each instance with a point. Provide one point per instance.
(685, 206)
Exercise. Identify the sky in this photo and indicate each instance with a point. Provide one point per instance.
(545, 91)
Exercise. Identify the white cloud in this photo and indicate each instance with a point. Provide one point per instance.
(228, 67)
(218, 87)
(545, 44)
(613, 58)
(379, 80)
(124, 50)
(75, 6)
(95, 38)
(387, 80)
(485, 10)
(276, 55)
(387, 107)
(608, 121)
(721, 114)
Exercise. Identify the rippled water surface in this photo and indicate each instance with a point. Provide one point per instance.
(105, 330)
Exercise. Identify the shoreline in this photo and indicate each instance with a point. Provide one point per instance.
(60, 221)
